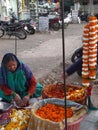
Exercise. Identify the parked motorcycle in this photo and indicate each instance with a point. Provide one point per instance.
(54, 24)
(67, 19)
(29, 25)
(54, 18)
(84, 17)
(76, 55)
(14, 29)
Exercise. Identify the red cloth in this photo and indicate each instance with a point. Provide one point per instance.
(89, 90)
(32, 86)
(7, 91)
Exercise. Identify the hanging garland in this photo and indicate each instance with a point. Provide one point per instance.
(89, 57)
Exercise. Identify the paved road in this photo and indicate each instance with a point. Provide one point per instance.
(43, 51)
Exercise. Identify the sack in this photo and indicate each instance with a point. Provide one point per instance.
(38, 123)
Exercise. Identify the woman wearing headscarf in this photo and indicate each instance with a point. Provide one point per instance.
(17, 82)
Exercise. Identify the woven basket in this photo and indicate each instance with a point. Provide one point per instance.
(60, 87)
(51, 87)
(38, 123)
(83, 100)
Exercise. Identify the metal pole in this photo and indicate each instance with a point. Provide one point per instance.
(37, 15)
(63, 50)
(15, 36)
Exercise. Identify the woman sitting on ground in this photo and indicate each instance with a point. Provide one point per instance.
(17, 82)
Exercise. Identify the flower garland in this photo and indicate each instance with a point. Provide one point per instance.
(89, 57)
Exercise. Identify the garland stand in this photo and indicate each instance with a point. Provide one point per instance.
(15, 36)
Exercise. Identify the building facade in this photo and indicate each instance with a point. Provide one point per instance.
(89, 6)
(20, 7)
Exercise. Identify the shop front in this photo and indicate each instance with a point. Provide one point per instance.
(20, 7)
(5, 7)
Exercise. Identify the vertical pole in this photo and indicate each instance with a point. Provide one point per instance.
(15, 36)
(63, 50)
(37, 15)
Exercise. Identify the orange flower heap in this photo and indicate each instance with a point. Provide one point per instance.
(53, 112)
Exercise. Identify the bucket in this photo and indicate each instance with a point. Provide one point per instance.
(90, 105)
(76, 124)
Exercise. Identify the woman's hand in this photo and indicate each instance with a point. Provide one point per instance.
(26, 100)
(18, 100)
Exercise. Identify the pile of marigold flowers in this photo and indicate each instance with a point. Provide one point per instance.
(19, 120)
(54, 112)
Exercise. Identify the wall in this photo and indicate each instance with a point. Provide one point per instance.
(86, 8)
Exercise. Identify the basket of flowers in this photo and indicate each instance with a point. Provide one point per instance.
(75, 93)
(49, 114)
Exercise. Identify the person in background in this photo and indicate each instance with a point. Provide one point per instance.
(75, 67)
(17, 82)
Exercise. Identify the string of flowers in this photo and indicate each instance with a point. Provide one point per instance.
(89, 58)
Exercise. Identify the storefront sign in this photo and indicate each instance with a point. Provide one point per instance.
(75, 16)
(41, 10)
(43, 23)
